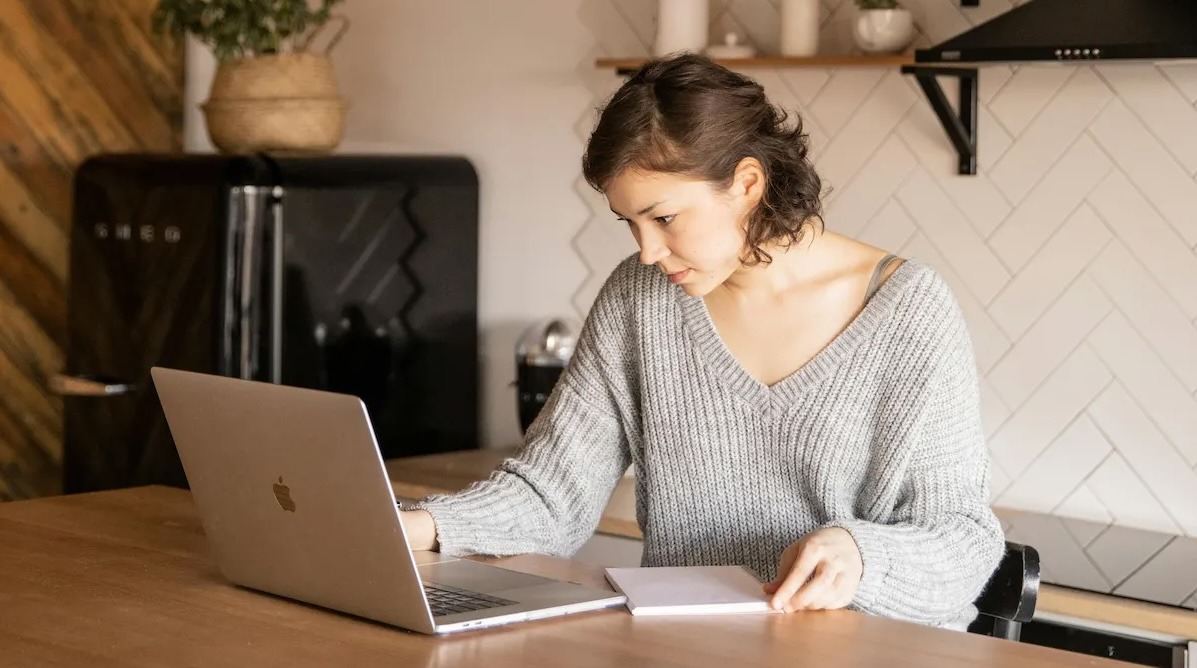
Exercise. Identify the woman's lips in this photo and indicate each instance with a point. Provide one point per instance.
(678, 277)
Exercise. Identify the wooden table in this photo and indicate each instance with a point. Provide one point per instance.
(416, 477)
(124, 578)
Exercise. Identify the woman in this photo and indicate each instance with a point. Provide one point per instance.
(791, 399)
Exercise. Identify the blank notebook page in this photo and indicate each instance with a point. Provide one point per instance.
(689, 590)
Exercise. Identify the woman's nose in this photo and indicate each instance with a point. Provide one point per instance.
(652, 249)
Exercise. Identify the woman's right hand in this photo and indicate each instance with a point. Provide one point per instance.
(420, 529)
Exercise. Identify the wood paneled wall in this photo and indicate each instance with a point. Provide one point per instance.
(77, 77)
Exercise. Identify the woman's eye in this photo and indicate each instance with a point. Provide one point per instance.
(664, 220)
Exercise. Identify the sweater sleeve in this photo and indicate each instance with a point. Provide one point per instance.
(942, 543)
(549, 497)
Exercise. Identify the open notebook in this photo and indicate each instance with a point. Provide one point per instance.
(689, 590)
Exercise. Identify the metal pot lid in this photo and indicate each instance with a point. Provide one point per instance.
(548, 343)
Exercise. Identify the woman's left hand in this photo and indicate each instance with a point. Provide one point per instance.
(820, 571)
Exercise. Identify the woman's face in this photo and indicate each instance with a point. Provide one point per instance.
(691, 230)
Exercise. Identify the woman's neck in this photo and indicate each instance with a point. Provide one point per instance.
(792, 268)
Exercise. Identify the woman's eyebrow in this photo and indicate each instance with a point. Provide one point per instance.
(643, 211)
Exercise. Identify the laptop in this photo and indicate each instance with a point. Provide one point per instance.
(295, 501)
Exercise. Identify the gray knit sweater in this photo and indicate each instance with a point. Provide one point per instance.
(879, 433)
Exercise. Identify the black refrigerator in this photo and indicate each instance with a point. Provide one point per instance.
(356, 274)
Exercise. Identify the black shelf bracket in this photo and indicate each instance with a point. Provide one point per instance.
(961, 125)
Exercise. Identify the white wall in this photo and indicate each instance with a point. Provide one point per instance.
(1072, 252)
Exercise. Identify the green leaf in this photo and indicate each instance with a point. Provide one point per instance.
(240, 28)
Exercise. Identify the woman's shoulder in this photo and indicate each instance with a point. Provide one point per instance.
(924, 305)
(923, 287)
(630, 290)
(641, 277)
(633, 283)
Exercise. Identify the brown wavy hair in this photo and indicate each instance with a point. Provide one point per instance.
(687, 115)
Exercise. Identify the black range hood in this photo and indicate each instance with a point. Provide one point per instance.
(1070, 31)
(1076, 30)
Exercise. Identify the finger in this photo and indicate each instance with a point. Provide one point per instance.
(836, 595)
(843, 592)
(803, 566)
(786, 561)
(816, 593)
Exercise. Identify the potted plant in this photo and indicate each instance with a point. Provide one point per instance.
(272, 92)
(882, 26)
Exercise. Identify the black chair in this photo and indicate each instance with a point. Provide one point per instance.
(1008, 600)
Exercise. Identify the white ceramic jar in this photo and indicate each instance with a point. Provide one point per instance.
(682, 25)
(799, 27)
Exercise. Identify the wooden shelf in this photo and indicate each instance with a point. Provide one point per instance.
(887, 60)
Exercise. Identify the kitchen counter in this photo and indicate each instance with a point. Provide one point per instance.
(416, 477)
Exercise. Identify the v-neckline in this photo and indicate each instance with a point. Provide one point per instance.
(785, 392)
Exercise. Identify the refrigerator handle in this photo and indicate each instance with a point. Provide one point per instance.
(243, 331)
(83, 386)
(276, 284)
(252, 287)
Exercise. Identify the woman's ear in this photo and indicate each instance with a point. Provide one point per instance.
(748, 183)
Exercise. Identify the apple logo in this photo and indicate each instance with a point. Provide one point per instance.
(283, 494)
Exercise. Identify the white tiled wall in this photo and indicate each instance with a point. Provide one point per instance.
(1138, 563)
(1072, 253)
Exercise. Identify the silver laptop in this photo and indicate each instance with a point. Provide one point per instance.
(295, 501)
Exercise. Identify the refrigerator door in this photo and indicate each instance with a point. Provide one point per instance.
(380, 268)
(145, 254)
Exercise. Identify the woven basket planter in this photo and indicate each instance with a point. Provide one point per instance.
(279, 103)
(283, 125)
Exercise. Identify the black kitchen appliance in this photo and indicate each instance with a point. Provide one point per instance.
(1070, 30)
(356, 274)
(541, 354)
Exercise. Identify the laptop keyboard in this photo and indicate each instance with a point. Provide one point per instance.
(446, 600)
